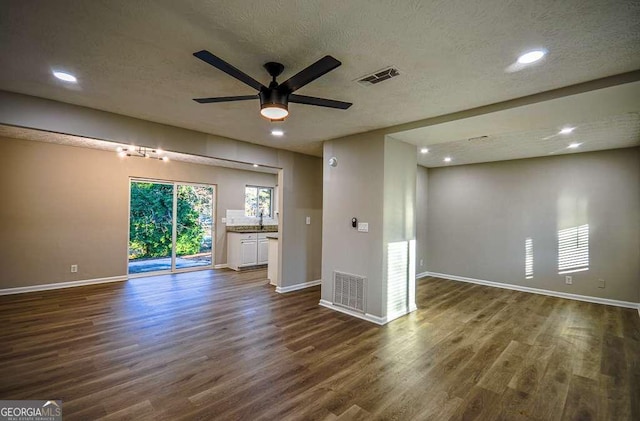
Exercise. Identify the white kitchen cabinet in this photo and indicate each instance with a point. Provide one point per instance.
(248, 255)
(263, 251)
(247, 249)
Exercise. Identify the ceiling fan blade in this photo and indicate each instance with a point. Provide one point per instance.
(220, 64)
(225, 99)
(321, 102)
(311, 73)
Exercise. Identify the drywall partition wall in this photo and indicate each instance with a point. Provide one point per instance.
(354, 189)
(399, 228)
(65, 205)
(301, 182)
(422, 194)
(480, 217)
(31, 112)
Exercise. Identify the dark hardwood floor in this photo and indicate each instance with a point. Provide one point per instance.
(222, 345)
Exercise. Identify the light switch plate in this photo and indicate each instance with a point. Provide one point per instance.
(363, 227)
(308, 220)
(224, 220)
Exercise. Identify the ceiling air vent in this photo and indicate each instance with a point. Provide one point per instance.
(379, 76)
(473, 139)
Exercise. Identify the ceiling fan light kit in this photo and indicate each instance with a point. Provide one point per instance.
(275, 99)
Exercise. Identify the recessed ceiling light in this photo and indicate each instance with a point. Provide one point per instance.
(122, 154)
(447, 159)
(277, 132)
(574, 145)
(424, 150)
(567, 130)
(255, 165)
(531, 56)
(165, 158)
(119, 149)
(67, 77)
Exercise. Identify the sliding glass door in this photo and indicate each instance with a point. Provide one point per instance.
(150, 226)
(171, 226)
(194, 241)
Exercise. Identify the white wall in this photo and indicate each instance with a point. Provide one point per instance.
(478, 217)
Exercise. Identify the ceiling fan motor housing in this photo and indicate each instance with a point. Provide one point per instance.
(271, 97)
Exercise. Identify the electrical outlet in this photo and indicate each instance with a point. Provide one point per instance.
(224, 220)
(74, 268)
(421, 262)
(600, 283)
(363, 226)
(568, 280)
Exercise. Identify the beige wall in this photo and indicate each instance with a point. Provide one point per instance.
(302, 197)
(375, 182)
(65, 205)
(478, 217)
(300, 252)
(399, 227)
(354, 189)
(422, 194)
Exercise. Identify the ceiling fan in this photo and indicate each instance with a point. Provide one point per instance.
(275, 99)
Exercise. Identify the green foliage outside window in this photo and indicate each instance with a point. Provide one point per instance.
(150, 221)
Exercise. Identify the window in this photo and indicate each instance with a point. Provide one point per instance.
(573, 249)
(258, 199)
(528, 258)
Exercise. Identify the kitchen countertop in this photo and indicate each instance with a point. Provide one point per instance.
(252, 229)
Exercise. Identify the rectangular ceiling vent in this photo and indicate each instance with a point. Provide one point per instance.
(379, 76)
(474, 139)
(349, 291)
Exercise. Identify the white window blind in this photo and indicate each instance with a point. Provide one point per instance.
(573, 249)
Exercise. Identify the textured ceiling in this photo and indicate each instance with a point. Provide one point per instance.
(86, 142)
(614, 132)
(134, 57)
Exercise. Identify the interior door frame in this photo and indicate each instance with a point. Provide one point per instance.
(174, 224)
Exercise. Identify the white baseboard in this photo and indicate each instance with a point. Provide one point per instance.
(422, 275)
(221, 266)
(296, 287)
(587, 298)
(59, 285)
(364, 316)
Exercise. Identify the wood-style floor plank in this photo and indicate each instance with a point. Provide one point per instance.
(223, 345)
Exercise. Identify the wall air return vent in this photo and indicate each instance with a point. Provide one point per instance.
(349, 291)
(379, 76)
